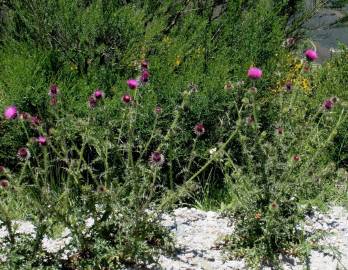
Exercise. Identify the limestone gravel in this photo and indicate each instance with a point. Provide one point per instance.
(198, 235)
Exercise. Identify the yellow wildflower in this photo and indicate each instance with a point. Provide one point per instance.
(305, 85)
(177, 61)
(167, 40)
(73, 67)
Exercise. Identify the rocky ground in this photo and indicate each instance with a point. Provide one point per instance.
(198, 234)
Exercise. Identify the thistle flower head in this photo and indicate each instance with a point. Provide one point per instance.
(145, 76)
(289, 42)
(24, 116)
(258, 216)
(2, 169)
(296, 158)
(228, 86)
(11, 112)
(250, 120)
(4, 183)
(92, 102)
(311, 55)
(253, 90)
(126, 98)
(199, 129)
(53, 91)
(98, 94)
(328, 104)
(101, 189)
(156, 159)
(288, 86)
(274, 205)
(279, 131)
(193, 88)
(42, 140)
(132, 84)
(35, 121)
(158, 109)
(254, 73)
(23, 153)
(53, 100)
(144, 64)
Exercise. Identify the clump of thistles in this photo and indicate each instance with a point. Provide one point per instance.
(11, 112)
(254, 73)
(23, 153)
(311, 55)
(199, 129)
(156, 159)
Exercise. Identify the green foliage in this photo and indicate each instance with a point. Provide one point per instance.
(96, 161)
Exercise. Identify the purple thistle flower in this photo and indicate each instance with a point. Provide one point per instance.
(296, 158)
(311, 55)
(98, 94)
(126, 98)
(156, 159)
(132, 84)
(53, 101)
(199, 129)
(254, 73)
(35, 121)
(23, 153)
(2, 169)
(4, 183)
(144, 64)
(158, 109)
(328, 104)
(42, 140)
(54, 90)
(11, 112)
(92, 102)
(145, 76)
(288, 86)
(279, 131)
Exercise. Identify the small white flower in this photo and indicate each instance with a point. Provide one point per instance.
(212, 150)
